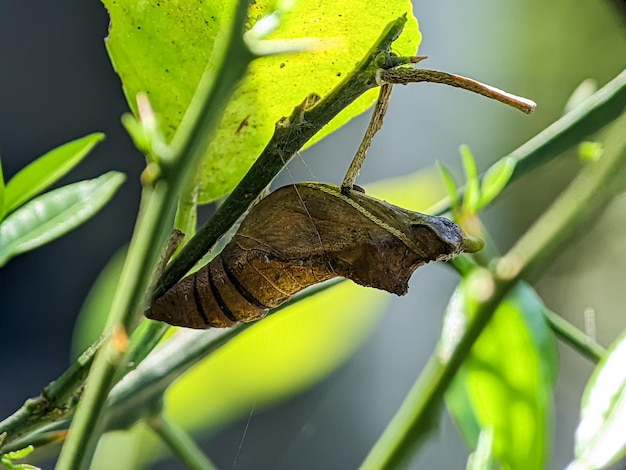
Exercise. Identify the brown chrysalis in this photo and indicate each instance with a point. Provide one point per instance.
(303, 234)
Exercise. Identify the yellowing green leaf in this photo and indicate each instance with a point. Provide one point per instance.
(127, 450)
(162, 48)
(506, 382)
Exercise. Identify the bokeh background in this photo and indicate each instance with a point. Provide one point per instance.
(56, 84)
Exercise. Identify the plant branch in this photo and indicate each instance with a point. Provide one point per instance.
(406, 75)
(584, 198)
(181, 443)
(154, 222)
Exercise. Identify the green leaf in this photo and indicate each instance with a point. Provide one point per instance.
(46, 170)
(506, 383)
(55, 213)
(494, 181)
(600, 438)
(162, 48)
(472, 190)
(450, 185)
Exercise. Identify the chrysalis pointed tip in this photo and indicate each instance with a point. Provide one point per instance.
(472, 244)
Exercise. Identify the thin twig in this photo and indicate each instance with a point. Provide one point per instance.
(376, 122)
(406, 75)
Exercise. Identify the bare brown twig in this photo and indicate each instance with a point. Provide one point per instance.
(405, 75)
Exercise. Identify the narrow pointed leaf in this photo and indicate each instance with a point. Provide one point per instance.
(450, 185)
(46, 170)
(472, 191)
(55, 213)
(600, 437)
(507, 381)
(162, 48)
(495, 180)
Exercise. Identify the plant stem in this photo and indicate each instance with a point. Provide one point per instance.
(576, 338)
(583, 199)
(408, 75)
(181, 444)
(154, 222)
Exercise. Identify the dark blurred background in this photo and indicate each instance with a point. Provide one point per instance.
(56, 84)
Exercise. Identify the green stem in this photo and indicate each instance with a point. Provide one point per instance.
(181, 444)
(153, 225)
(571, 335)
(584, 198)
